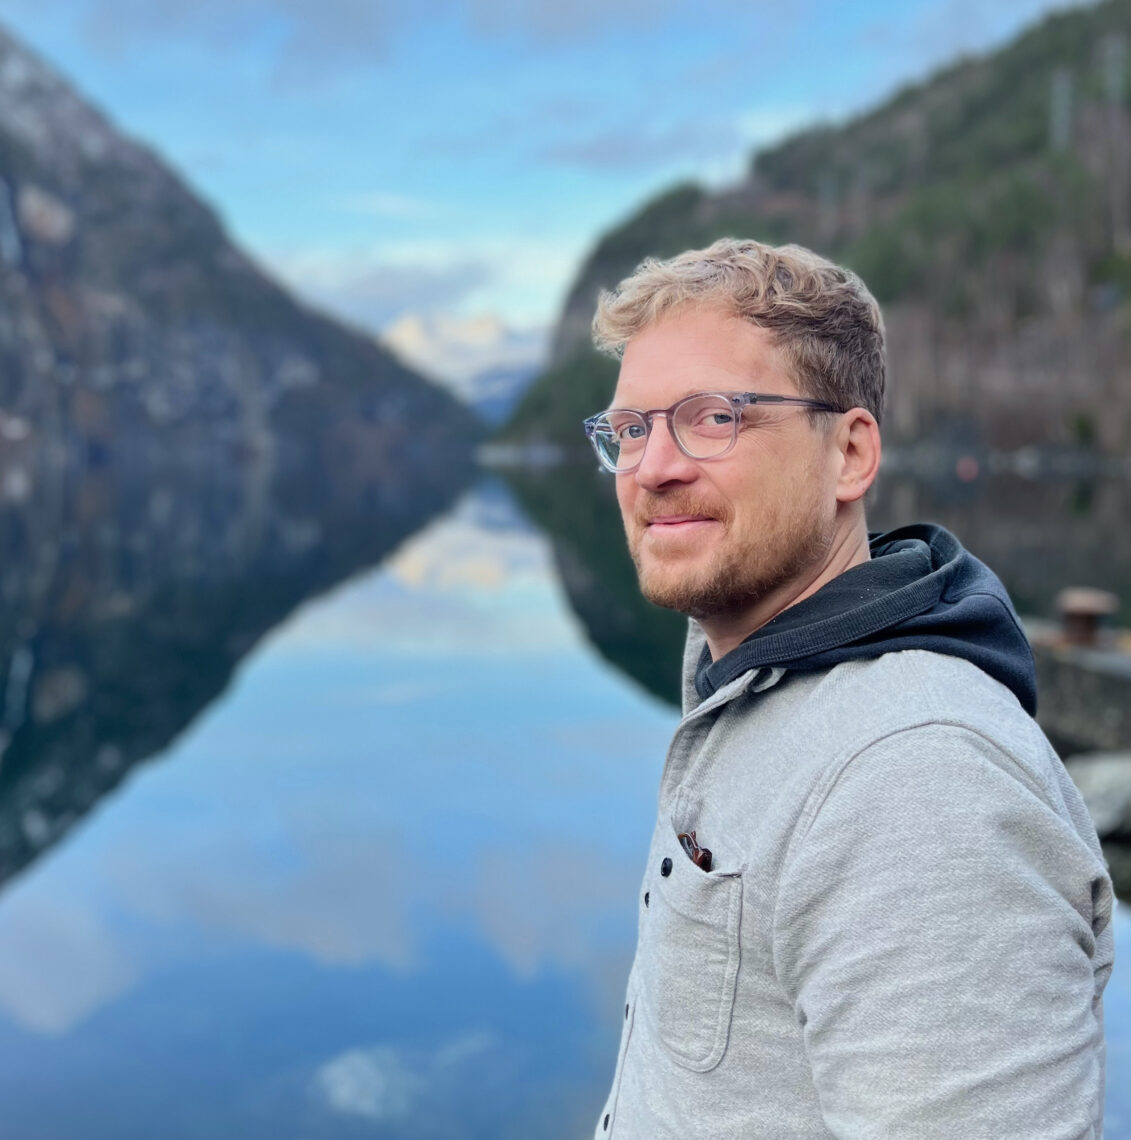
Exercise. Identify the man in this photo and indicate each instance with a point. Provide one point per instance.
(902, 927)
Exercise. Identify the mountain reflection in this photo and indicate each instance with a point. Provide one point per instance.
(132, 588)
(576, 508)
(1038, 536)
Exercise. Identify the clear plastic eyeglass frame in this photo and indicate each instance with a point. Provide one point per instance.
(704, 425)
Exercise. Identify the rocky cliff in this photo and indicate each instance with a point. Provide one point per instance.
(128, 319)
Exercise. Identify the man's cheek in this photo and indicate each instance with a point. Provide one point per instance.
(625, 502)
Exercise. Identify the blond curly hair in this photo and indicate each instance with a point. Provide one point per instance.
(823, 319)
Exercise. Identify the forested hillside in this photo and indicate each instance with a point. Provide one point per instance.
(989, 209)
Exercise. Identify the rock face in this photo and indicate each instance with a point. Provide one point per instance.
(127, 314)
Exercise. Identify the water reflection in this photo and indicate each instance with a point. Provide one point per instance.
(576, 507)
(129, 595)
(384, 885)
(1038, 536)
(386, 881)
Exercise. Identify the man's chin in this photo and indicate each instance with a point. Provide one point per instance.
(672, 590)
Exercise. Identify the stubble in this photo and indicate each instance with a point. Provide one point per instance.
(742, 569)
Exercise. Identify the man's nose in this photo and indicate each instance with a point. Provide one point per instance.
(663, 462)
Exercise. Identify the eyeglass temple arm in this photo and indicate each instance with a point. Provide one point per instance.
(758, 398)
(745, 399)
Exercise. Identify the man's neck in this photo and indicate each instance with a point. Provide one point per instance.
(727, 631)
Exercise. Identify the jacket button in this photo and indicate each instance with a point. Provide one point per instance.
(646, 894)
(605, 1125)
(666, 867)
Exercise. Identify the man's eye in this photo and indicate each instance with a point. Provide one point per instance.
(714, 419)
(631, 431)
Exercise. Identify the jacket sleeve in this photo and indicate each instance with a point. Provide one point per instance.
(944, 935)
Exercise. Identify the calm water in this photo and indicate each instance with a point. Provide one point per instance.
(383, 886)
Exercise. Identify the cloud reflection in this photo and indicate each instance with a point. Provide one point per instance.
(479, 581)
(553, 905)
(385, 1082)
(333, 892)
(483, 544)
(374, 1083)
(59, 962)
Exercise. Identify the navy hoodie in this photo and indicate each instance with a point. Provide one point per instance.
(921, 590)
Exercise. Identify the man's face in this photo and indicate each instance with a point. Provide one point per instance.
(712, 537)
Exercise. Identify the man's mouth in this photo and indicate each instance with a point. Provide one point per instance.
(677, 522)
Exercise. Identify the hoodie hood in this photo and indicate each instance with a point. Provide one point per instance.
(921, 590)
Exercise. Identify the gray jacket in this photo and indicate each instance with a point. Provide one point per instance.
(906, 930)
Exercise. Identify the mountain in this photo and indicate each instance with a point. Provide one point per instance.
(495, 392)
(128, 318)
(186, 455)
(988, 208)
(485, 363)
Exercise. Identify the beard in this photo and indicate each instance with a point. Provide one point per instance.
(781, 546)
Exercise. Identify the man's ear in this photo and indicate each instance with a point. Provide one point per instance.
(858, 446)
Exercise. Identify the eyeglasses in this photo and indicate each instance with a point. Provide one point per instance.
(704, 425)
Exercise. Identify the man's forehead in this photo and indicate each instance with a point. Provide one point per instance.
(695, 350)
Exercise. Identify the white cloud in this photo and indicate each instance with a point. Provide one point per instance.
(459, 1050)
(590, 893)
(372, 289)
(525, 277)
(458, 350)
(460, 554)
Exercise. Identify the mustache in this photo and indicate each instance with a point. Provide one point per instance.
(678, 503)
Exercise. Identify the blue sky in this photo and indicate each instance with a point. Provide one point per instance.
(401, 161)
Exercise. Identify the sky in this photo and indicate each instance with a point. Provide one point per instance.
(436, 171)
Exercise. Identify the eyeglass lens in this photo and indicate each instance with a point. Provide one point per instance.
(704, 426)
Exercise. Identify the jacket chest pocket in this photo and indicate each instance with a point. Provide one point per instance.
(689, 955)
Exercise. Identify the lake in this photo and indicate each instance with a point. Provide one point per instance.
(375, 875)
